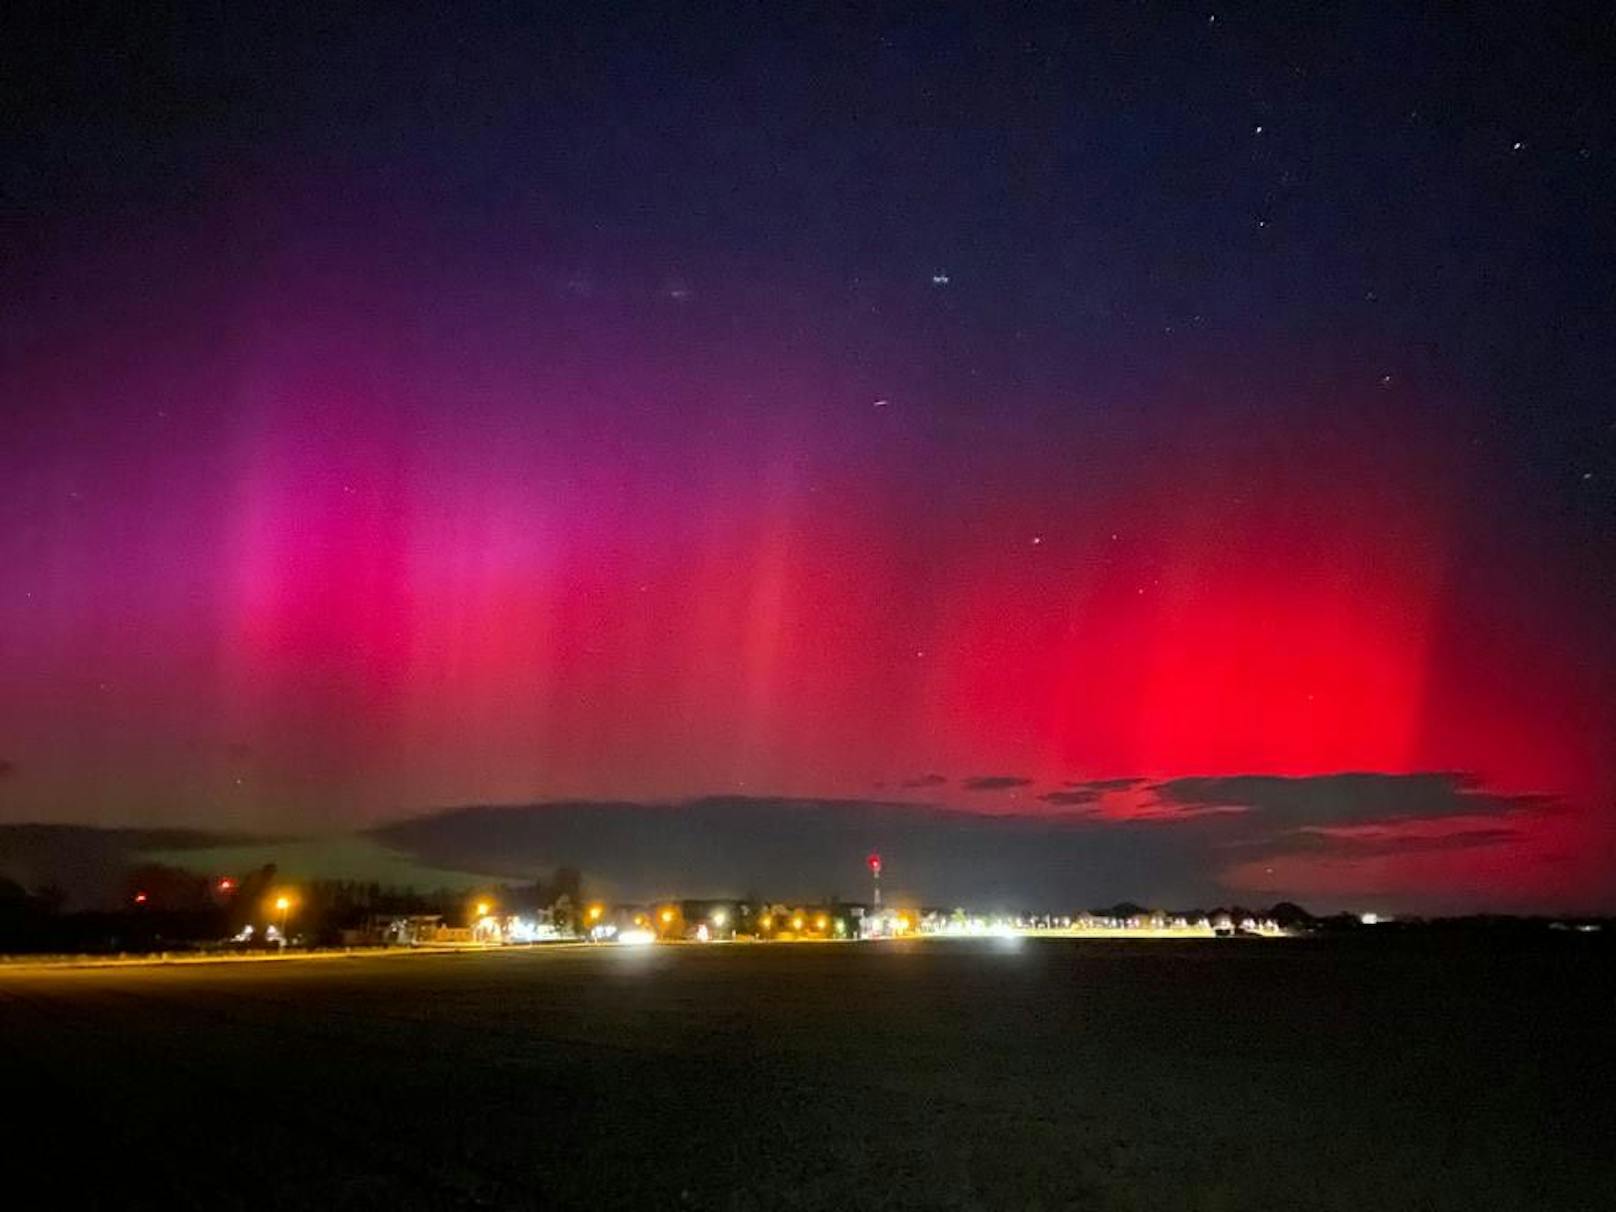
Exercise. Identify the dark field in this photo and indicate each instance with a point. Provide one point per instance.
(1045, 1074)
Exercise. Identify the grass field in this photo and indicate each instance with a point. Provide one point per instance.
(926, 1074)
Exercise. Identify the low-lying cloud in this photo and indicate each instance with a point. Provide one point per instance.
(1073, 798)
(1342, 799)
(995, 782)
(1089, 843)
(1326, 840)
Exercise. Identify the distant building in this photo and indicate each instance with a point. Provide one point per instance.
(395, 930)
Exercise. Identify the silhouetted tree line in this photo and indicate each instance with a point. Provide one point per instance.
(164, 908)
(169, 909)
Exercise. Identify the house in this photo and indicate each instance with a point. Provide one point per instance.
(395, 930)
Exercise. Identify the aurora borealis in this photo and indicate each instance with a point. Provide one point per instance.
(621, 411)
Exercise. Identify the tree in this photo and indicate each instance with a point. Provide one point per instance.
(1288, 915)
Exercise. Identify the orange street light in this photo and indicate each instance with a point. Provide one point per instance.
(283, 906)
(796, 923)
(594, 912)
(821, 922)
(667, 917)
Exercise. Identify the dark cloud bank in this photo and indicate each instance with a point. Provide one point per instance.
(1039, 857)
(1079, 847)
(995, 782)
(809, 849)
(1343, 799)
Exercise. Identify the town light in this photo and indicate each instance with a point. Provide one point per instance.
(283, 906)
(667, 917)
(767, 921)
(796, 923)
(482, 908)
(821, 922)
(594, 912)
(719, 917)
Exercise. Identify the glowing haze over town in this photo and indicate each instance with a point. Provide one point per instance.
(1226, 472)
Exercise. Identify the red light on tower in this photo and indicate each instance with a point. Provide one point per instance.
(140, 898)
(875, 864)
(227, 884)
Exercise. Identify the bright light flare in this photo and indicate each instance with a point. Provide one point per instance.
(636, 938)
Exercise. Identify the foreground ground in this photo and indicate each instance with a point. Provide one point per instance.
(982, 1074)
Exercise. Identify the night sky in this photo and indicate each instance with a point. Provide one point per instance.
(1189, 423)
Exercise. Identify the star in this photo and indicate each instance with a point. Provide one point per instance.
(940, 278)
(1037, 539)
